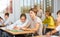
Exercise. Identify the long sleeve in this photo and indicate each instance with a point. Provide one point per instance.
(45, 21)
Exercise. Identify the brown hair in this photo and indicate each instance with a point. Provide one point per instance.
(48, 12)
(58, 12)
(1, 18)
(7, 14)
(23, 15)
(32, 9)
(35, 6)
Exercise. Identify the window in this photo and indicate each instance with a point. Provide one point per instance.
(49, 5)
(25, 5)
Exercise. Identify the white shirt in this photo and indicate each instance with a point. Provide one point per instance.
(58, 28)
(33, 24)
(18, 24)
(7, 22)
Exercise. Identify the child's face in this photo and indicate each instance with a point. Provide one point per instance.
(6, 16)
(46, 14)
(23, 19)
(32, 14)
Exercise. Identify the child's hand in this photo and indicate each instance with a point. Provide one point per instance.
(48, 34)
(59, 36)
(24, 28)
(2, 21)
(16, 28)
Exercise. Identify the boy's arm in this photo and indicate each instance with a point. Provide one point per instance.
(34, 29)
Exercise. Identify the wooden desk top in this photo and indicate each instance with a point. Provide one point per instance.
(40, 36)
(17, 33)
(2, 25)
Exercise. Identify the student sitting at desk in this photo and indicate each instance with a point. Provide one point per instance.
(22, 22)
(34, 24)
(58, 26)
(49, 22)
(7, 20)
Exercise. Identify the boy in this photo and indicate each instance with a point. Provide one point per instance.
(34, 24)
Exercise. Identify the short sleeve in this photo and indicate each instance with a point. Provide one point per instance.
(39, 20)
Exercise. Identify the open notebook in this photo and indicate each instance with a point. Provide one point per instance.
(4, 28)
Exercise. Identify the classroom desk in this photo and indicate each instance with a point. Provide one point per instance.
(47, 27)
(18, 33)
(2, 25)
(40, 36)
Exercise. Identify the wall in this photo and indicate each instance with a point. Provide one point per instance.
(16, 8)
(58, 4)
(56, 7)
